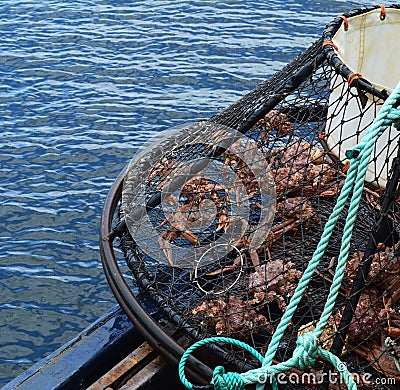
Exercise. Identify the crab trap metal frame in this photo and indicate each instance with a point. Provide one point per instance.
(218, 220)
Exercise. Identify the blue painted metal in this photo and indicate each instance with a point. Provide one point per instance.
(84, 359)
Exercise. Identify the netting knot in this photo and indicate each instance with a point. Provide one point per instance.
(306, 350)
(226, 381)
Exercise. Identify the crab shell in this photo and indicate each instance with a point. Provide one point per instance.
(232, 316)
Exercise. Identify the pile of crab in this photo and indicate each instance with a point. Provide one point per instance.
(302, 174)
(300, 171)
(374, 331)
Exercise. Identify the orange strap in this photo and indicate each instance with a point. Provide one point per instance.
(346, 167)
(345, 22)
(329, 43)
(353, 77)
(383, 11)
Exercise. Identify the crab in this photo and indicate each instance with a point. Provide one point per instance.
(274, 234)
(368, 317)
(385, 264)
(321, 175)
(231, 316)
(381, 358)
(293, 211)
(199, 188)
(203, 200)
(376, 316)
(298, 210)
(367, 325)
(237, 157)
(241, 243)
(287, 180)
(325, 341)
(383, 353)
(296, 155)
(178, 227)
(274, 121)
(298, 169)
(272, 282)
(302, 169)
(382, 281)
(164, 168)
(301, 155)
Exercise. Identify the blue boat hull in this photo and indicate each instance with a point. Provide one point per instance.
(84, 359)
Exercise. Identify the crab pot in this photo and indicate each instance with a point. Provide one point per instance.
(220, 219)
(365, 46)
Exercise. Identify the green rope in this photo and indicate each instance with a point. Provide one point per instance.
(307, 348)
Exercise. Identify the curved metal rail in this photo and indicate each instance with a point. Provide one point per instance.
(146, 325)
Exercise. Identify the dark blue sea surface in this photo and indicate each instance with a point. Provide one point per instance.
(82, 84)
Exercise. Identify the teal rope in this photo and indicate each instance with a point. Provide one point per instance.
(308, 273)
(214, 340)
(307, 345)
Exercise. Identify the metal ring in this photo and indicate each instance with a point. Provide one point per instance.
(196, 267)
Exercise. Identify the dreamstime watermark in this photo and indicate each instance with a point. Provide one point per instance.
(318, 377)
(215, 196)
(312, 378)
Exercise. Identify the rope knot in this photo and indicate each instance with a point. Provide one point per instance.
(354, 153)
(306, 350)
(226, 381)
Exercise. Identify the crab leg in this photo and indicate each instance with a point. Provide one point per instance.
(394, 290)
(166, 246)
(393, 328)
(191, 237)
(276, 233)
(372, 198)
(170, 235)
(255, 260)
(393, 319)
(166, 220)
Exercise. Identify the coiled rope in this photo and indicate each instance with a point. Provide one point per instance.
(307, 349)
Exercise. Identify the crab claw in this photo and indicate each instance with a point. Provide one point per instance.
(223, 222)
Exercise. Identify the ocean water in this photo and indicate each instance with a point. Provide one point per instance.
(84, 83)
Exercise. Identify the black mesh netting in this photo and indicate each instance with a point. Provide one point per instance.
(221, 226)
